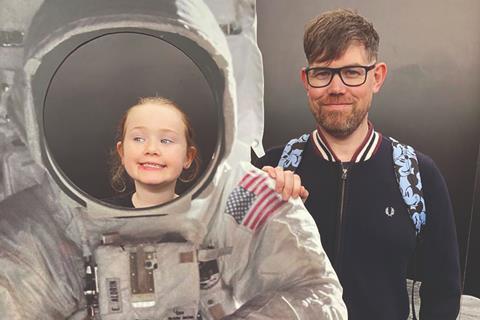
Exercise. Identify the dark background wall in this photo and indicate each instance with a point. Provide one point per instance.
(431, 98)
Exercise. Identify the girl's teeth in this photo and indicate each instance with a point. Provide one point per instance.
(151, 165)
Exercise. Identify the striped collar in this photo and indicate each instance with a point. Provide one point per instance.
(365, 151)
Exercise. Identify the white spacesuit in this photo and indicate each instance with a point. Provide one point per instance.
(229, 248)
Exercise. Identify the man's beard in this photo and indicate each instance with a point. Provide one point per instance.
(340, 124)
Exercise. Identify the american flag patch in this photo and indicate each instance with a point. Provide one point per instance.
(252, 201)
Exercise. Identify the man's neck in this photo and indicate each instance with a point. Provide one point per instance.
(345, 147)
(148, 196)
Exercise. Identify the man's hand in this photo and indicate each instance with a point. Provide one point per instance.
(288, 184)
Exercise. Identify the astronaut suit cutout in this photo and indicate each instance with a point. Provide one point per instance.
(228, 248)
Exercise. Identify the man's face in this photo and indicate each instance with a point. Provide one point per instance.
(338, 108)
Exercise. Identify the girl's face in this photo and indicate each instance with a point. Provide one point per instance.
(154, 149)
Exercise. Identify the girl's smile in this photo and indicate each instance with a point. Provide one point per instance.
(151, 166)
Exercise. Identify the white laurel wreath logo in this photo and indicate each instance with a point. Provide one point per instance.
(389, 211)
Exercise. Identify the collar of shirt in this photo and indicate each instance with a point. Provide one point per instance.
(365, 151)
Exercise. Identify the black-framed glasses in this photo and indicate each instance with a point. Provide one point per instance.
(352, 76)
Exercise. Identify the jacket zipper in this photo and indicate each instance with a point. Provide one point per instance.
(340, 213)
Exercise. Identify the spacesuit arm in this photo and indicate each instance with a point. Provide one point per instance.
(40, 267)
(284, 272)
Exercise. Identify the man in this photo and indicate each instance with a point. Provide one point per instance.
(347, 167)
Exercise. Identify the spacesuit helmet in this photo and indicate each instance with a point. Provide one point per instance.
(188, 28)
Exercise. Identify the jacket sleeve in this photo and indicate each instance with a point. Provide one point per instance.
(281, 270)
(438, 257)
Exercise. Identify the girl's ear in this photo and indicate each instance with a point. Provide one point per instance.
(191, 154)
(120, 150)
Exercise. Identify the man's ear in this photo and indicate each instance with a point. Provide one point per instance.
(120, 150)
(303, 77)
(379, 74)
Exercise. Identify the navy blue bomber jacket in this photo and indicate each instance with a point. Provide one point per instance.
(369, 236)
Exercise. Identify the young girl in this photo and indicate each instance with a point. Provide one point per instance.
(155, 148)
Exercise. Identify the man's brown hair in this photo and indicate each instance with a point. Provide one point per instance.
(328, 35)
